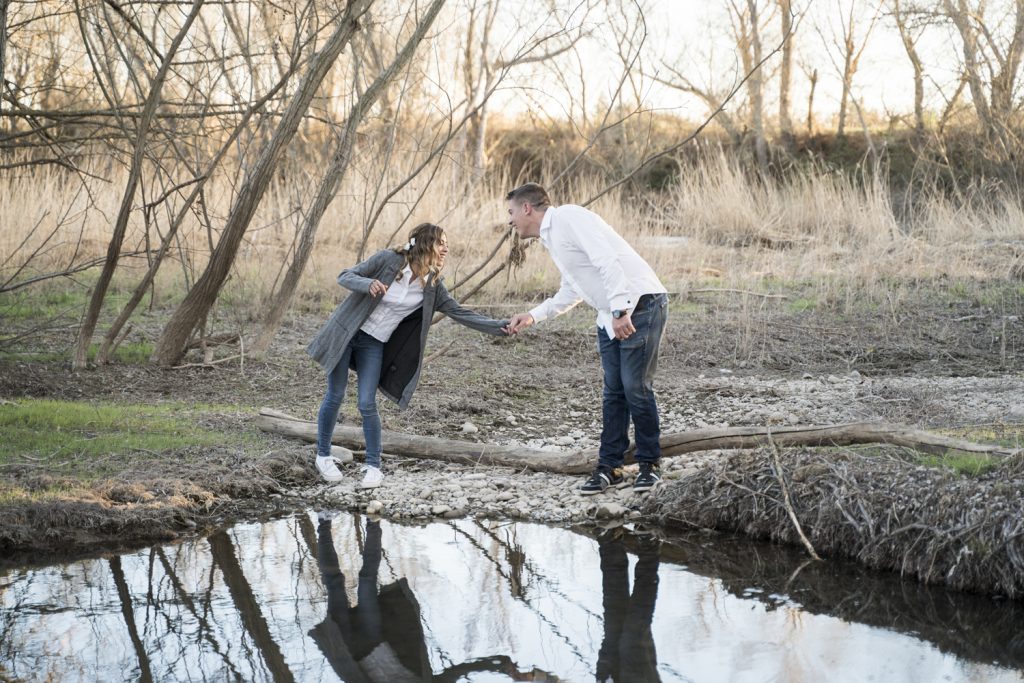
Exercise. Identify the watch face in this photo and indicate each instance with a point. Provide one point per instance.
(616, 314)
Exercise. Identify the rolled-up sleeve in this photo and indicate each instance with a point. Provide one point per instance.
(565, 298)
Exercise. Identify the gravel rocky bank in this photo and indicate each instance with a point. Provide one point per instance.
(419, 490)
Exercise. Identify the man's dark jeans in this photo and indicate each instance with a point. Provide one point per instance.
(629, 367)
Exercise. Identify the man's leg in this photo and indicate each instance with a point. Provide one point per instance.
(639, 358)
(615, 430)
(615, 409)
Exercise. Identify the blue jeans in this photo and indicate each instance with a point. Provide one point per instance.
(629, 366)
(368, 354)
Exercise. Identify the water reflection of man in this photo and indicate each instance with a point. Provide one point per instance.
(627, 652)
(380, 639)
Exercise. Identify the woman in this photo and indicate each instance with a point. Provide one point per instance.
(380, 331)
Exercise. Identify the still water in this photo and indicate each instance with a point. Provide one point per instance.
(317, 597)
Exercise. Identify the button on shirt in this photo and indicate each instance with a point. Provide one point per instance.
(402, 298)
(597, 266)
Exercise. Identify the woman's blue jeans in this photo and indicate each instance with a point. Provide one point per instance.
(367, 353)
(629, 366)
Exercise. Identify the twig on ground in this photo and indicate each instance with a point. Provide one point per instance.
(737, 291)
(786, 499)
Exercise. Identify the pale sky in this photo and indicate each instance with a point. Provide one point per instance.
(695, 36)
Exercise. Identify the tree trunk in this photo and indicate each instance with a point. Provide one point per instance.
(193, 310)
(785, 75)
(810, 103)
(448, 450)
(108, 346)
(910, 45)
(329, 185)
(99, 292)
(756, 83)
(960, 15)
(4, 5)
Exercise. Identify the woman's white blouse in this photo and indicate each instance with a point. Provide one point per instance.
(402, 298)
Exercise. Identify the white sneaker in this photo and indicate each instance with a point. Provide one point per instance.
(328, 468)
(372, 477)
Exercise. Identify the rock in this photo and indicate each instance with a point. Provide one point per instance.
(374, 507)
(454, 514)
(1016, 412)
(439, 510)
(474, 476)
(341, 454)
(563, 441)
(610, 510)
(469, 428)
(505, 495)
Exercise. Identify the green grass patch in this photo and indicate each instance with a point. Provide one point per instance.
(96, 439)
(802, 304)
(41, 304)
(967, 464)
(129, 353)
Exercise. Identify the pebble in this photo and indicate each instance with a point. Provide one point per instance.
(469, 428)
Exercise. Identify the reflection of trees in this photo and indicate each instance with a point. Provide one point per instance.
(128, 611)
(223, 553)
(518, 566)
(970, 627)
(205, 630)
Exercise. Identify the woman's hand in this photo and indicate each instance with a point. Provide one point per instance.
(378, 288)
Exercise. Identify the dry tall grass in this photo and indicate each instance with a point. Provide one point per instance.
(718, 226)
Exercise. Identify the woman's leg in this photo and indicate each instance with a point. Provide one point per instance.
(369, 355)
(337, 379)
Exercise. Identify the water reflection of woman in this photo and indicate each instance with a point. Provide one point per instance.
(380, 639)
(627, 650)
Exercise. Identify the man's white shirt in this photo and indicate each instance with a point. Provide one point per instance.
(597, 266)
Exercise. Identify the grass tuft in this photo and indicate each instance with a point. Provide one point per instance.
(77, 439)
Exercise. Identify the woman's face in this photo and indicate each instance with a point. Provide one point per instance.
(441, 250)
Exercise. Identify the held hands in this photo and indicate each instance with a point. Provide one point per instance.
(518, 323)
(378, 288)
(623, 327)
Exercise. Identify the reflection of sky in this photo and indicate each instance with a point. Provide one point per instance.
(66, 622)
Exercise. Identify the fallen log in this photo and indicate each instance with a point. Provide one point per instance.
(432, 448)
(578, 462)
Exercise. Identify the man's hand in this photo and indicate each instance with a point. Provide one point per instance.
(623, 327)
(378, 288)
(518, 323)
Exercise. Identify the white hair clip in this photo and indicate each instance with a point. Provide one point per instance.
(410, 244)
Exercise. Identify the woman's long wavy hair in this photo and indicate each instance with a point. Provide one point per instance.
(422, 255)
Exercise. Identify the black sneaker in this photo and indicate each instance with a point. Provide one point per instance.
(647, 478)
(602, 478)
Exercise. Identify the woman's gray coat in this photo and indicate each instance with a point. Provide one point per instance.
(403, 357)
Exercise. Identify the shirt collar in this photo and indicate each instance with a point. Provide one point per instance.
(545, 224)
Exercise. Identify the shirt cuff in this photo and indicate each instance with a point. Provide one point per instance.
(539, 313)
(624, 303)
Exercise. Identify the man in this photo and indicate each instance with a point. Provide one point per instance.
(599, 267)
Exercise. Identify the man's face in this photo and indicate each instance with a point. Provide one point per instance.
(523, 217)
